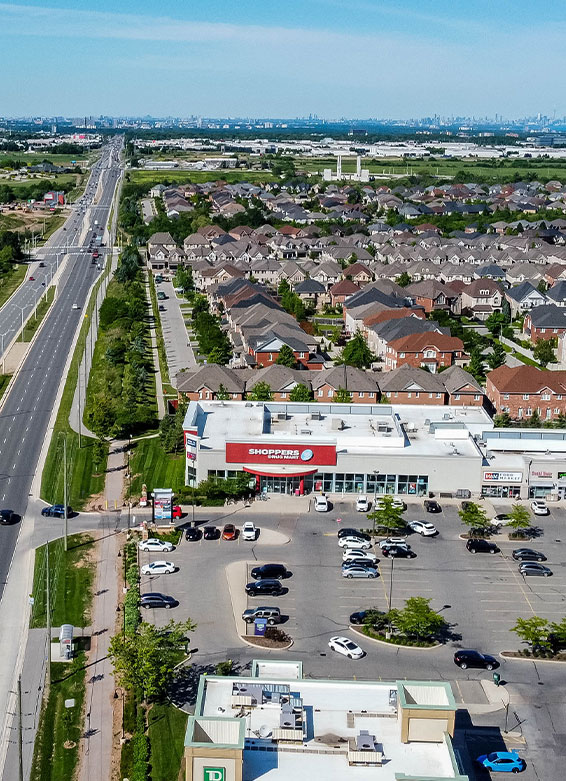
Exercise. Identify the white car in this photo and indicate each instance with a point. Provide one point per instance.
(398, 503)
(539, 507)
(353, 554)
(500, 520)
(249, 531)
(153, 544)
(424, 528)
(392, 541)
(346, 647)
(75, 306)
(158, 568)
(362, 504)
(354, 542)
(321, 504)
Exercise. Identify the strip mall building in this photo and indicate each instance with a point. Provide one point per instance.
(294, 448)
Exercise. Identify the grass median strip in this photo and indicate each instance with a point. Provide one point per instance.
(11, 281)
(34, 321)
(166, 729)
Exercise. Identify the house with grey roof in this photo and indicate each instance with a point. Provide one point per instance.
(524, 297)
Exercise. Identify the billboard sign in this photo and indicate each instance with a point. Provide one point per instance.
(280, 453)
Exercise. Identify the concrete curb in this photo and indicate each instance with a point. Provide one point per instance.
(506, 655)
(264, 648)
(395, 645)
(237, 578)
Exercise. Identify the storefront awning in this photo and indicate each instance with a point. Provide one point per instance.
(279, 471)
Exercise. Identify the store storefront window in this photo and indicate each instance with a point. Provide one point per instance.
(540, 491)
(501, 491)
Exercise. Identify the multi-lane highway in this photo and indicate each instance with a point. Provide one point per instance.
(25, 414)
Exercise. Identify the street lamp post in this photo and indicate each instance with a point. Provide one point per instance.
(390, 597)
(22, 310)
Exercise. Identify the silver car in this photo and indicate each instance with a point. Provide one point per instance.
(358, 571)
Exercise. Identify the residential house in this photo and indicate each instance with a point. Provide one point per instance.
(310, 291)
(481, 298)
(432, 294)
(362, 386)
(524, 297)
(520, 390)
(462, 389)
(280, 379)
(358, 273)
(208, 381)
(544, 322)
(432, 350)
(342, 290)
(557, 293)
(412, 385)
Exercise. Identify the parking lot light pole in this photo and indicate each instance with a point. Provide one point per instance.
(388, 634)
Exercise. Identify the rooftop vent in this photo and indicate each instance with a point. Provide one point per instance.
(337, 424)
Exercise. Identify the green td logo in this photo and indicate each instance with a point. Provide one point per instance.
(214, 774)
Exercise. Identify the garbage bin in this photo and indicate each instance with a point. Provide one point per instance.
(496, 679)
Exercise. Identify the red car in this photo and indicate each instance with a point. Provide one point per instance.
(32, 279)
(229, 532)
(177, 512)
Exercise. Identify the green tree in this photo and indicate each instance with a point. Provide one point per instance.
(558, 633)
(356, 353)
(99, 454)
(342, 396)
(222, 394)
(476, 367)
(475, 517)
(503, 420)
(519, 518)
(506, 310)
(386, 516)
(534, 421)
(286, 357)
(542, 287)
(146, 661)
(417, 620)
(261, 391)
(101, 417)
(497, 356)
(219, 355)
(560, 421)
(300, 393)
(495, 323)
(404, 279)
(534, 631)
(543, 352)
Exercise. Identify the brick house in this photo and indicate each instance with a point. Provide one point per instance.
(544, 322)
(432, 294)
(205, 383)
(411, 385)
(461, 387)
(521, 390)
(363, 386)
(430, 349)
(341, 290)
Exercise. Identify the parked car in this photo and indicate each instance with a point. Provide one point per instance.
(528, 554)
(270, 571)
(539, 507)
(346, 532)
(500, 520)
(481, 546)
(229, 532)
(7, 517)
(249, 531)
(465, 658)
(424, 528)
(351, 569)
(153, 544)
(211, 533)
(158, 568)
(360, 616)
(56, 511)
(262, 587)
(346, 647)
(399, 552)
(176, 512)
(533, 568)
(362, 504)
(321, 504)
(271, 614)
(353, 554)
(354, 542)
(193, 534)
(393, 541)
(157, 600)
(399, 504)
(432, 506)
(502, 762)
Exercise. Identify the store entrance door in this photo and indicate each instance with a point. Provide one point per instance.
(279, 485)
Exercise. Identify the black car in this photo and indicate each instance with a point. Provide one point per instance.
(432, 506)
(360, 616)
(157, 600)
(211, 533)
(481, 546)
(7, 517)
(267, 586)
(528, 554)
(271, 571)
(465, 659)
(399, 552)
(56, 511)
(353, 533)
(193, 534)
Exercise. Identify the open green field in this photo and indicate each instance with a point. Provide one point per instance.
(151, 465)
(166, 730)
(9, 282)
(184, 177)
(65, 182)
(39, 157)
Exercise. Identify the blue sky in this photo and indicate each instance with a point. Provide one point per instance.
(353, 58)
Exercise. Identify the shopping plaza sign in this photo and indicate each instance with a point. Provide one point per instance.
(280, 453)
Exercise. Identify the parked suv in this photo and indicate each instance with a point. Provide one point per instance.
(261, 587)
(271, 571)
(468, 658)
(271, 614)
(56, 511)
(481, 546)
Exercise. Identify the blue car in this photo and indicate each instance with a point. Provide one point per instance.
(502, 762)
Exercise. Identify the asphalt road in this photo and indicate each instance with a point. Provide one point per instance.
(27, 408)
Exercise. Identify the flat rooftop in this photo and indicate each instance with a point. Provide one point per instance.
(353, 428)
(335, 713)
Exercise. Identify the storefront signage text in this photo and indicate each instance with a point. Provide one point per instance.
(541, 473)
(503, 477)
(241, 452)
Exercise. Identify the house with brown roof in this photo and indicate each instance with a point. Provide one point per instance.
(208, 381)
(432, 294)
(429, 349)
(521, 390)
(341, 290)
(358, 273)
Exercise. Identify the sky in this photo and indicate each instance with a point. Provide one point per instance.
(283, 58)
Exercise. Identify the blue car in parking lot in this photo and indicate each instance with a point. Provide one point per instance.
(502, 762)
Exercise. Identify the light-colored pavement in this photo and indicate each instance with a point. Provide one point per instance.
(180, 354)
(148, 210)
(155, 358)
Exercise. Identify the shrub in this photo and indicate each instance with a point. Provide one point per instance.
(277, 635)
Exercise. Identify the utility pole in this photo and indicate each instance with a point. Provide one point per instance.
(65, 491)
(20, 732)
(79, 397)
(48, 612)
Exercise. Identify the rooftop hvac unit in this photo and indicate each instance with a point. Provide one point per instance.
(337, 424)
(249, 404)
(306, 431)
(427, 422)
(281, 416)
(446, 416)
(315, 415)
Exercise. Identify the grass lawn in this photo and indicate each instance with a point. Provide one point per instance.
(83, 482)
(59, 725)
(65, 182)
(4, 380)
(51, 225)
(9, 282)
(182, 177)
(71, 579)
(33, 159)
(166, 731)
(34, 322)
(151, 465)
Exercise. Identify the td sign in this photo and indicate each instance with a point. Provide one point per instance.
(214, 774)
